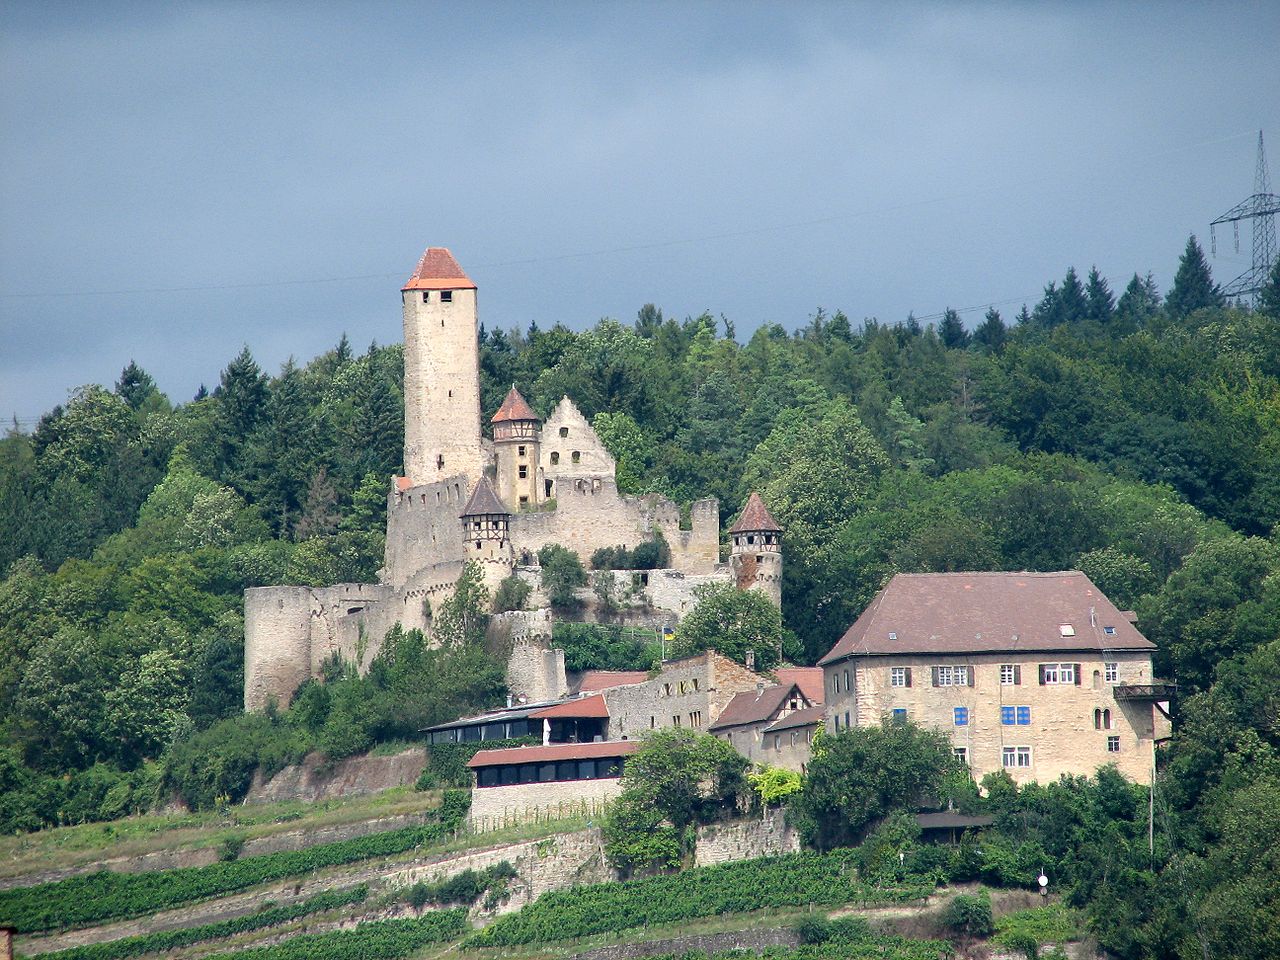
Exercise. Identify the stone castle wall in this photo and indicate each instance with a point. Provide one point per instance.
(690, 692)
(423, 527)
(768, 836)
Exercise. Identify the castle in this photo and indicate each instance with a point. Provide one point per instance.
(497, 502)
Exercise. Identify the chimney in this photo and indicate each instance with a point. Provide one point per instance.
(751, 659)
(508, 701)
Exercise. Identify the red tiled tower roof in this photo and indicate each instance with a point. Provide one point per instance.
(755, 516)
(514, 408)
(437, 270)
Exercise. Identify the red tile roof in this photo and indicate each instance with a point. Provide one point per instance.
(484, 502)
(754, 706)
(437, 270)
(514, 407)
(554, 751)
(797, 718)
(960, 613)
(403, 483)
(593, 681)
(808, 679)
(585, 707)
(755, 516)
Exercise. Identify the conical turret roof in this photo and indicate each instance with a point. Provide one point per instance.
(755, 516)
(484, 502)
(514, 408)
(437, 270)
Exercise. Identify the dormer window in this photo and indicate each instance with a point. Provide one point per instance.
(1109, 631)
(446, 296)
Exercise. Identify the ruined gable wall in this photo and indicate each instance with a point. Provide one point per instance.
(556, 457)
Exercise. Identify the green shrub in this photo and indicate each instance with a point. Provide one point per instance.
(230, 847)
(970, 916)
(512, 594)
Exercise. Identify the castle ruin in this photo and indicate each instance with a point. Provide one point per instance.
(497, 502)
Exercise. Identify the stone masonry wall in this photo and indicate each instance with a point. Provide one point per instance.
(767, 836)
(1061, 734)
(690, 692)
(495, 807)
(423, 527)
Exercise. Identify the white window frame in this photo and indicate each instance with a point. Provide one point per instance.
(961, 754)
(1113, 744)
(898, 677)
(1006, 674)
(1112, 672)
(1059, 674)
(1015, 757)
(951, 675)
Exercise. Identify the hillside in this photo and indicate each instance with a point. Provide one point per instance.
(1136, 438)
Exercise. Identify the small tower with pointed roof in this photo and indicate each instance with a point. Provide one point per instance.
(756, 552)
(486, 534)
(441, 372)
(516, 443)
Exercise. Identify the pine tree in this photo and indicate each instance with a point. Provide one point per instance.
(1072, 305)
(1138, 304)
(1024, 316)
(991, 334)
(1048, 312)
(1193, 286)
(951, 330)
(242, 400)
(1101, 307)
(320, 515)
(135, 386)
(1269, 295)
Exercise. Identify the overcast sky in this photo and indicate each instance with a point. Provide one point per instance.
(180, 179)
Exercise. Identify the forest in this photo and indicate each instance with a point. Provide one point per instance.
(1128, 433)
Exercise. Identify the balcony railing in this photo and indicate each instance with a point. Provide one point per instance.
(1156, 690)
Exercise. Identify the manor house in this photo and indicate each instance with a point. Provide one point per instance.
(1036, 674)
(465, 496)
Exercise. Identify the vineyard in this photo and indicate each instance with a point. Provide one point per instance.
(172, 939)
(786, 881)
(97, 897)
(868, 948)
(384, 940)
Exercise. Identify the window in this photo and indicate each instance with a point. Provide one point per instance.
(1113, 672)
(1109, 631)
(695, 684)
(1016, 756)
(837, 719)
(1058, 673)
(1010, 674)
(675, 721)
(577, 456)
(962, 716)
(520, 450)
(682, 688)
(695, 718)
(426, 296)
(524, 472)
(1019, 716)
(564, 431)
(446, 296)
(846, 720)
(524, 501)
(555, 457)
(1113, 744)
(961, 754)
(1102, 719)
(899, 676)
(1024, 716)
(777, 741)
(846, 684)
(892, 635)
(899, 714)
(952, 677)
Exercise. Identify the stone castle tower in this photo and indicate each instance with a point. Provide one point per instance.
(441, 372)
(486, 534)
(517, 435)
(756, 554)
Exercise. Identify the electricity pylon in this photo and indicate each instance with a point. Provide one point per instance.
(1261, 208)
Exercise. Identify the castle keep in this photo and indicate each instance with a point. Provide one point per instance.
(466, 497)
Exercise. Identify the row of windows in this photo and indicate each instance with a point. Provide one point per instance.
(499, 730)
(1010, 675)
(684, 686)
(576, 456)
(516, 773)
(446, 296)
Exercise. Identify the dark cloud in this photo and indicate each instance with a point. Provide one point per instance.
(582, 159)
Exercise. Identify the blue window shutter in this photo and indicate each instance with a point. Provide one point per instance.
(1007, 716)
(1024, 716)
(962, 716)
